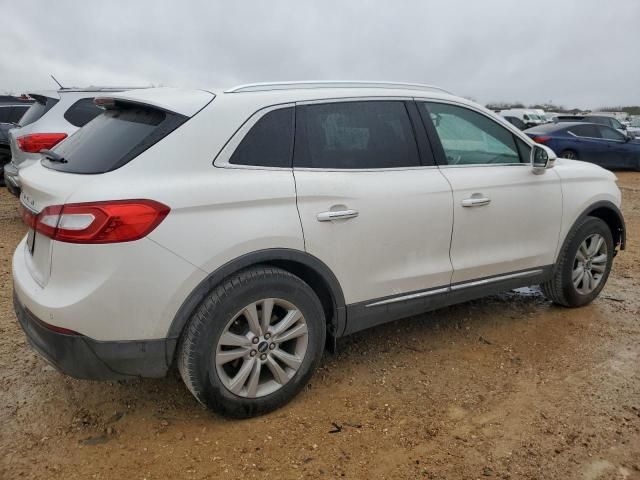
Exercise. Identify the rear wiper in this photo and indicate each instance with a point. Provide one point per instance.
(52, 156)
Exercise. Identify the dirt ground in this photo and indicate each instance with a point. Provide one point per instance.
(508, 387)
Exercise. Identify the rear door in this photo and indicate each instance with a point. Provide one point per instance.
(373, 206)
(507, 219)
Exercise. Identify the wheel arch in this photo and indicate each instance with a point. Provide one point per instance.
(609, 213)
(304, 265)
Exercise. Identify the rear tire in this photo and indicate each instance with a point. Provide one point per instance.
(583, 265)
(569, 154)
(241, 363)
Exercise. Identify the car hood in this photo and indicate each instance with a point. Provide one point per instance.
(577, 169)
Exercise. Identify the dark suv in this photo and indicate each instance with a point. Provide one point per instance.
(11, 110)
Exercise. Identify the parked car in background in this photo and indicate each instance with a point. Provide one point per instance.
(599, 119)
(591, 142)
(542, 115)
(54, 116)
(222, 232)
(11, 110)
(515, 121)
(528, 116)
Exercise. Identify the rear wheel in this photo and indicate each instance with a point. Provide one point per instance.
(570, 154)
(583, 266)
(253, 343)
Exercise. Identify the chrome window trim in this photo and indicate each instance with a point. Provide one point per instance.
(456, 287)
(364, 170)
(468, 165)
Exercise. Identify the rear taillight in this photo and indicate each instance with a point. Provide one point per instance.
(34, 142)
(541, 139)
(99, 222)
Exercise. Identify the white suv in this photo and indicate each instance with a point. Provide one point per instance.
(53, 116)
(231, 232)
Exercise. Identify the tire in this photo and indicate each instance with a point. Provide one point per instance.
(561, 289)
(203, 347)
(570, 154)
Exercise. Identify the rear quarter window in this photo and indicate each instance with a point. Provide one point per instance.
(114, 138)
(269, 143)
(82, 112)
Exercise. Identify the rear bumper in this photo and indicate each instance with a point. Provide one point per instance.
(82, 357)
(11, 179)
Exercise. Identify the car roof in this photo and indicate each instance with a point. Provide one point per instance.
(260, 95)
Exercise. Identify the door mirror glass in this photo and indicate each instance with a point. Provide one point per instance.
(542, 158)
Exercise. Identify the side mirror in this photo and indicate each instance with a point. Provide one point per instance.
(542, 157)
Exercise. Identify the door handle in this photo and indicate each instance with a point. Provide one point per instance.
(337, 215)
(476, 202)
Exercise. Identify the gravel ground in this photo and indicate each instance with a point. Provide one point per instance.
(506, 387)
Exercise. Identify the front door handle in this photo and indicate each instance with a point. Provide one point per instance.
(337, 215)
(476, 201)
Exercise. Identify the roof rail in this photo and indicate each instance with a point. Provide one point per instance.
(262, 87)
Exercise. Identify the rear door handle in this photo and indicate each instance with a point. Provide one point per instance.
(337, 215)
(476, 202)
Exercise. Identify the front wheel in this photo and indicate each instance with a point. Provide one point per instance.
(583, 266)
(253, 343)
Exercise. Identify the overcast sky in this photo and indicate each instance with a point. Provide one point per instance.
(574, 52)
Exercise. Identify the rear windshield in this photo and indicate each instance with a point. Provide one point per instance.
(82, 112)
(113, 138)
(41, 106)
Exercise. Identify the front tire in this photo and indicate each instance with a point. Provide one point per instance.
(583, 266)
(253, 343)
(569, 154)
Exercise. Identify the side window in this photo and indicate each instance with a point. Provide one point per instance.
(17, 113)
(269, 143)
(4, 114)
(470, 138)
(82, 112)
(585, 130)
(610, 134)
(355, 135)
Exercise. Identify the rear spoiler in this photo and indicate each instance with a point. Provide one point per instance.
(185, 102)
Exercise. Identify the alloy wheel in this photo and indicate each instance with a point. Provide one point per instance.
(590, 264)
(261, 348)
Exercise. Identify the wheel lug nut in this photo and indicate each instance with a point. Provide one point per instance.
(253, 353)
(263, 356)
(272, 346)
(255, 340)
(267, 336)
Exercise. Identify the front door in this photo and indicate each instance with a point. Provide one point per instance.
(506, 218)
